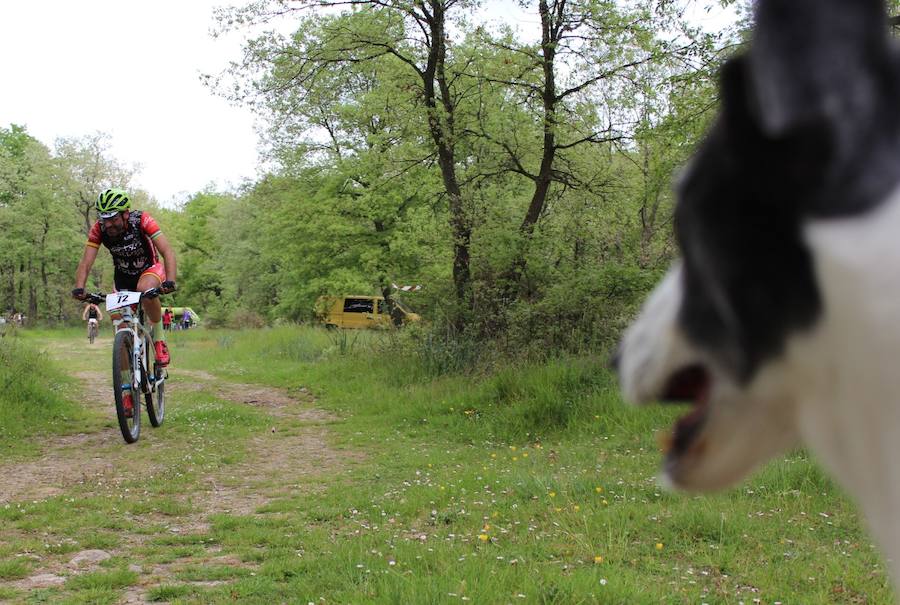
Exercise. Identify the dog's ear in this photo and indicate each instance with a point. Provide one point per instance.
(816, 59)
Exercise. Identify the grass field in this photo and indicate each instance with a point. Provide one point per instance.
(335, 468)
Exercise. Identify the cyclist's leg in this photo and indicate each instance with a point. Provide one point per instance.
(152, 278)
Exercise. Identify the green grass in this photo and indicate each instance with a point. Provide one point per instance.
(13, 569)
(33, 397)
(102, 580)
(525, 484)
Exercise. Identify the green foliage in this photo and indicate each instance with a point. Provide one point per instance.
(524, 183)
(46, 208)
(38, 231)
(364, 196)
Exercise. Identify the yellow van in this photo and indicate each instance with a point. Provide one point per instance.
(359, 312)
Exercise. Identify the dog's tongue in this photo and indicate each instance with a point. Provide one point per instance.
(691, 384)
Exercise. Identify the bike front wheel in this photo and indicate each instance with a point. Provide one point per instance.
(128, 409)
(92, 333)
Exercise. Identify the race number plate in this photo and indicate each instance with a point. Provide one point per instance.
(117, 300)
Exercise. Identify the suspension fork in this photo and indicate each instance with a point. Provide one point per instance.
(126, 317)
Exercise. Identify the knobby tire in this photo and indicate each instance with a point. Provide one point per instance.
(122, 370)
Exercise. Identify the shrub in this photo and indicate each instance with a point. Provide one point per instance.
(244, 318)
(31, 393)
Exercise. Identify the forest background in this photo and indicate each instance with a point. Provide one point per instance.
(526, 185)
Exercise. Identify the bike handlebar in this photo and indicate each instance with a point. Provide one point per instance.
(99, 297)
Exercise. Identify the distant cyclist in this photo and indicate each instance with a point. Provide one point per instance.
(93, 316)
(133, 238)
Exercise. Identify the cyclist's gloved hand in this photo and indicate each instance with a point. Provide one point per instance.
(78, 294)
(168, 286)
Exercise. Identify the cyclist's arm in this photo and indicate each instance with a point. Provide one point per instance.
(168, 254)
(84, 315)
(99, 314)
(84, 266)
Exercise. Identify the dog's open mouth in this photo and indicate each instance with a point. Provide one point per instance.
(690, 384)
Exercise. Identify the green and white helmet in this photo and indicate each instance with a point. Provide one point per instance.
(113, 201)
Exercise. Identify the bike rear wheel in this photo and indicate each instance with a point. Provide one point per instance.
(123, 381)
(156, 410)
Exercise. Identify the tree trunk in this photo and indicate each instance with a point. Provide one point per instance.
(23, 276)
(549, 39)
(441, 127)
(383, 282)
(550, 32)
(32, 294)
(45, 282)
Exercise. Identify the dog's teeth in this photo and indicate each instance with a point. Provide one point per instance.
(665, 439)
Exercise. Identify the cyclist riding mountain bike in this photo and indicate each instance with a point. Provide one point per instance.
(92, 315)
(133, 239)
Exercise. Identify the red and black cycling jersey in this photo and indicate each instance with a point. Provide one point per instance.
(133, 251)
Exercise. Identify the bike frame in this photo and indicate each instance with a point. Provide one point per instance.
(127, 314)
(143, 380)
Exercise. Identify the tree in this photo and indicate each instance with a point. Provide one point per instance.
(90, 169)
(590, 80)
(39, 235)
(412, 34)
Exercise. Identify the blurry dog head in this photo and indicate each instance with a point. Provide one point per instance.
(808, 136)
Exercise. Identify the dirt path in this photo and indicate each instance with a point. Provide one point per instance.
(279, 462)
(87, 458)
(65, 460)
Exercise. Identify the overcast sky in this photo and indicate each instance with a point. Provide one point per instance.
(132, 69)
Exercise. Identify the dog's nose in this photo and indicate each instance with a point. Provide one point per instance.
(613, 363)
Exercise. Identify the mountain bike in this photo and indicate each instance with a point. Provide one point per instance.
(92, 330)
(134, 368)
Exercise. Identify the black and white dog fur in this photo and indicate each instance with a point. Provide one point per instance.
(781, 322)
